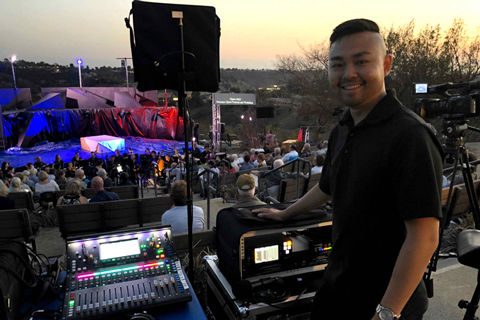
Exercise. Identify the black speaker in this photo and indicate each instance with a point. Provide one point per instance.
(222, 129)
(156, 46)
(265, 112)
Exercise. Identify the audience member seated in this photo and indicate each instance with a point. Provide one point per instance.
(277, 154)
(7, 178)
(5, 202)
(273, 179)
(45, 185)
(39, 164)
(318, 162)
(16, 185)
(292, 155)
(69, 175)
(322, 147)
(253, 155)
(102, 195)
(177, 216)
(28, 181)
(51, 173)
(22, 178)
(246, 192)
(79, 176)
(234, 162)
(107, 182)
(124, 180)
(306, 151)
(33, 175)
(60, 177)
(73, 195)
(260, 162)
(247, 165)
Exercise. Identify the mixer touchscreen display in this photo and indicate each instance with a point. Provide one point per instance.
(109, 250)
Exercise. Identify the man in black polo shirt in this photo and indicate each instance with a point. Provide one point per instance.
(383, 172)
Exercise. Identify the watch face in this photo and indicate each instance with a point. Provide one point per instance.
(386, 314)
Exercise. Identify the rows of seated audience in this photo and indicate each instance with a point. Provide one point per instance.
(38, 177)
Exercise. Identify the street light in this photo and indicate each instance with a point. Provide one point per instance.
(79, 62)
(12, 60)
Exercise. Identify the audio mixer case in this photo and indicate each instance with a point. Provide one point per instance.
(233, 223)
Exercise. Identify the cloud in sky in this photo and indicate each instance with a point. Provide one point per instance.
(253, 32)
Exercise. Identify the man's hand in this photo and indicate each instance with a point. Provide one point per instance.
(376, 317)
(270, 213)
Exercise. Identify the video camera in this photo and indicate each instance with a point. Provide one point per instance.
(458, 101)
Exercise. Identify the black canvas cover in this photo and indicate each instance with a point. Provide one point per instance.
(156, 46)
(232, 223)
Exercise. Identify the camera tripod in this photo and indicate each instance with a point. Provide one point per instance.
(457, 153)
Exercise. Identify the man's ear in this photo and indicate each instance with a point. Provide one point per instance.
(387, 65)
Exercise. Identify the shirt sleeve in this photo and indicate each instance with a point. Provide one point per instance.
(416, 166)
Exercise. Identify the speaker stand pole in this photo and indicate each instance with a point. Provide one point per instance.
(186, 125)
(264, 136)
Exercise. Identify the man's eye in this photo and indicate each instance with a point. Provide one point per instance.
(362, 62)
(336, 65)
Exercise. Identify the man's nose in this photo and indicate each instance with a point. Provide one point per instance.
(350, 71)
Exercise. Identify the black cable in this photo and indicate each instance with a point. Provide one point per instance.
(17, 276)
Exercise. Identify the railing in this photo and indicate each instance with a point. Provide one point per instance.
(296, 161)
(207, 188)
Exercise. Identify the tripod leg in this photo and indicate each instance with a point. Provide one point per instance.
(471, 306)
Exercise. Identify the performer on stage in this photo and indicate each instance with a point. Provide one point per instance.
(394, 156)
(75, 159)
(58, 164)
(92, 161)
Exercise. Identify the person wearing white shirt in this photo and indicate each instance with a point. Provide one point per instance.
(177, 216)
(318, 161)
(292, 155)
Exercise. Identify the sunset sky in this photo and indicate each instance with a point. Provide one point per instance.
(253, 32)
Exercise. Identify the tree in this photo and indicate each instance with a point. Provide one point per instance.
(307, 85)
(428, 55)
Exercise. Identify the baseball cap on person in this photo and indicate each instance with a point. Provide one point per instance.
(245, 182)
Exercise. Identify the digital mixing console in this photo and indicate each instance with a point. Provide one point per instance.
(123, 272)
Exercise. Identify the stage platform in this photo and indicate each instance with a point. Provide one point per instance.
(102, 144)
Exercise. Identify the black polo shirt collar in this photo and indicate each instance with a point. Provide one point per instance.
(384, 109)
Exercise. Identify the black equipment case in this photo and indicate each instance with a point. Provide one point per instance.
(233, 223)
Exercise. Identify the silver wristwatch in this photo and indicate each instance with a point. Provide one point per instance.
(385, 313)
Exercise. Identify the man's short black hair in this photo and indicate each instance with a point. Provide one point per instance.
(351, 27)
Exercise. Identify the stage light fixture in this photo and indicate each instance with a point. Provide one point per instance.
(250, 118)
(242, 117)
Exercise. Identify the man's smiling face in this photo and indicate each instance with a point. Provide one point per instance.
(357, 68)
